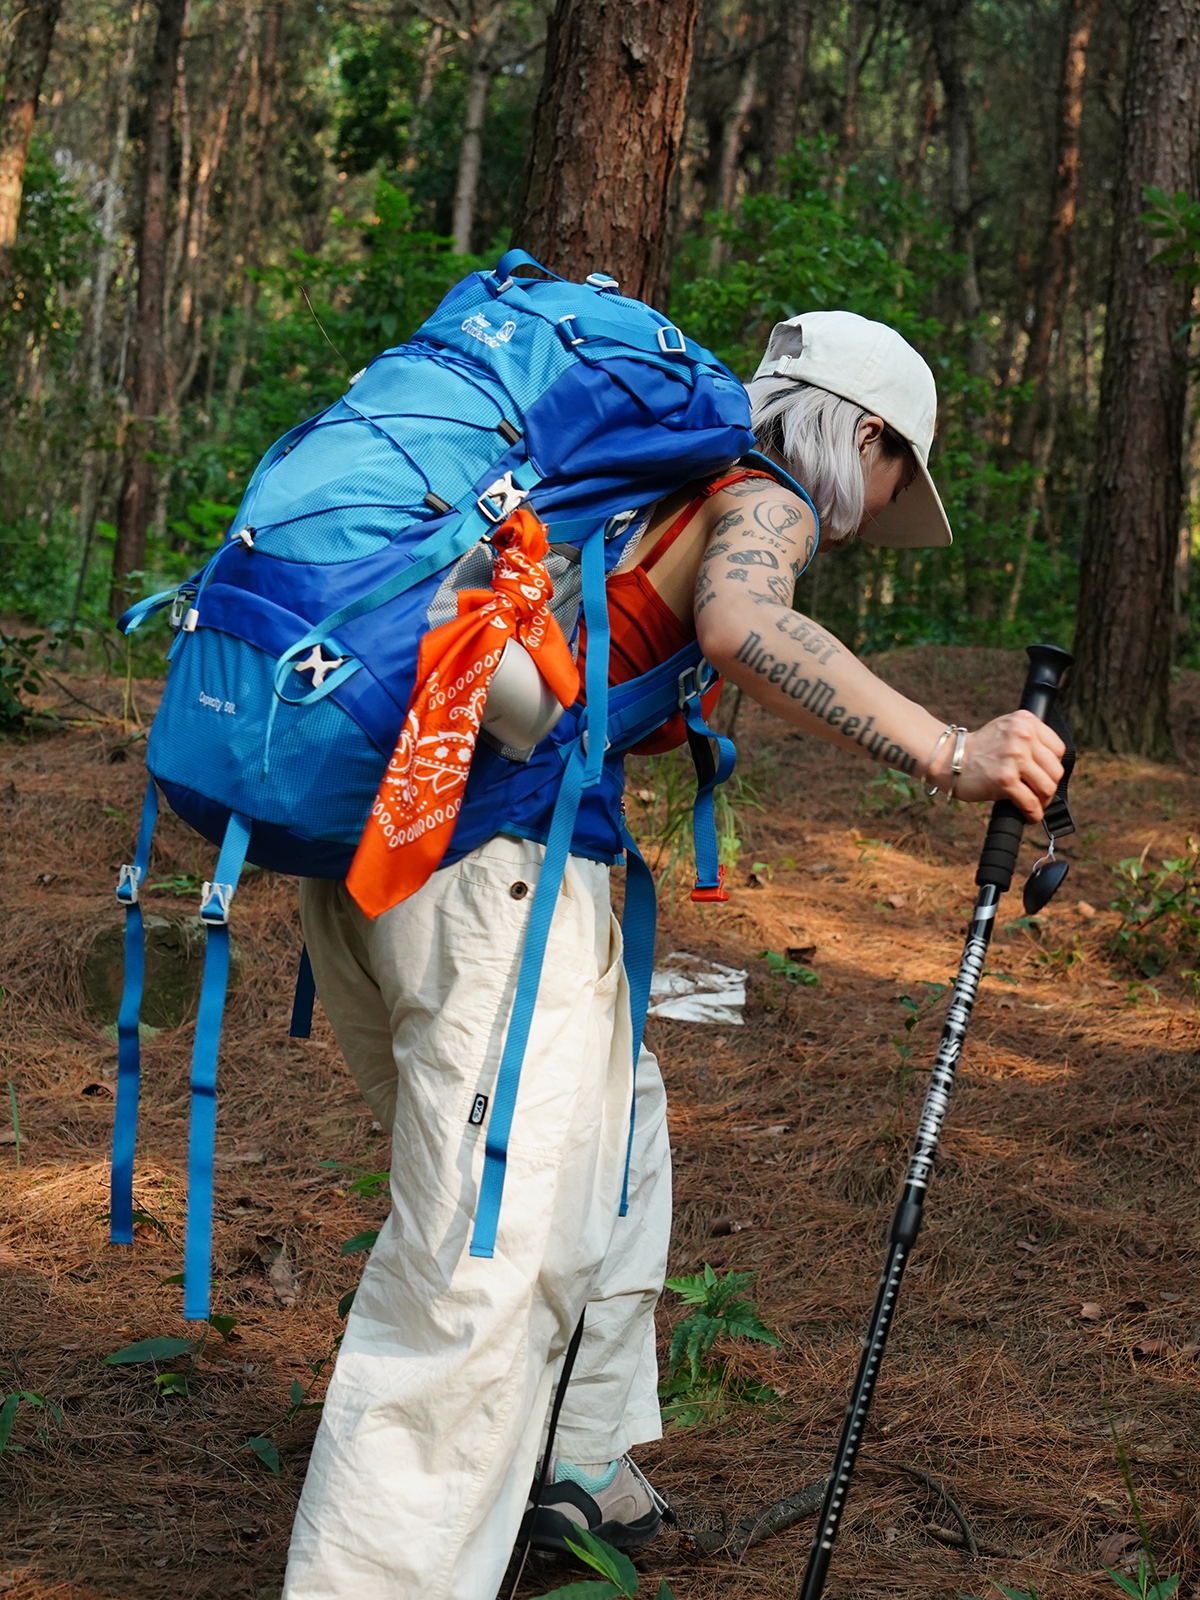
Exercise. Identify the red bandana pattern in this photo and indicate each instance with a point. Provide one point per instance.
(417, 806)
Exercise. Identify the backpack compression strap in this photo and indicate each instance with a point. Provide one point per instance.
(584, 758)
(129, 1063)
(214, 912)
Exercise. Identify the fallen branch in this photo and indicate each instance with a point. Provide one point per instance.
(753, 1530)
(953, 1537)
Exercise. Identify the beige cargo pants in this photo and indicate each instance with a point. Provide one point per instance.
(432, 1426)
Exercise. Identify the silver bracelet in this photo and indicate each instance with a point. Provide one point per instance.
(956, 763)
(933, 755)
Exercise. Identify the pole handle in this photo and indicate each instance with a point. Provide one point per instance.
(1048, 666)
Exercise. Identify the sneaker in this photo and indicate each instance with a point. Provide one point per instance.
(627, 1514)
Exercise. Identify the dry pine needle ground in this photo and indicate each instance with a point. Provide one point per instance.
(1068, 1177)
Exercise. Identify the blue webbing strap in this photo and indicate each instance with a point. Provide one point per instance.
(439, 550)
(638, 926)
(214, 911)
(704, 825)
(129, 1061)
(584, 767)
(595, 615)
(302, 1002)
(508, 1077)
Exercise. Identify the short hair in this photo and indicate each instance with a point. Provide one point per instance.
(815, 434)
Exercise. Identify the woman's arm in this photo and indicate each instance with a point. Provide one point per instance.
(757, 546)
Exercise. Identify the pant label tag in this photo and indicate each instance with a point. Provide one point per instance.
(478, 1110)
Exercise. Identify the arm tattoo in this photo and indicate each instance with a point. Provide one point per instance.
(723, 524)
(754, 558)
(817, 697)
(776, 516)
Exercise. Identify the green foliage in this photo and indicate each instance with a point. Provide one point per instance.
(695, 1388)
(838, 237)
(149, 1350)
(891, 792)
(662, 789)
(9, 1407)
(266, 1452)
(618, 1574)
(361, 1241)
(1145, 1584)
(22, 671)
(782, 966)
(1160, 912)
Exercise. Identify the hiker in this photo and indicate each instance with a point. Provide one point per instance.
(434, 1419)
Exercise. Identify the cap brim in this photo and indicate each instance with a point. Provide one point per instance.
(914, 520)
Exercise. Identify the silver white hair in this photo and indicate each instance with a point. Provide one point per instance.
(815, 434)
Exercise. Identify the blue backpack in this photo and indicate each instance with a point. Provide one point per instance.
(296, 650)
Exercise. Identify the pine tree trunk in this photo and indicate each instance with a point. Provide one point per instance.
(95, 460)
(947, 21)
(33, 34)
(1056, 249)
(1125, 638)
(470, 156)
(783, 118)
(732, 135)
(606, 139)
(266, 95)
(137, 491)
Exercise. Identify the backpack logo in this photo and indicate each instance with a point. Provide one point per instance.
(486, 332)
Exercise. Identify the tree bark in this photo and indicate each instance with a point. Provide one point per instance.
(266, 93)
(732, 134)
(482, 70)
(948, 27)
(33, 34)
(95, 459)
(135, 504)
(783, 118)
(1125, 637)
(606, 139)
(1056, 248)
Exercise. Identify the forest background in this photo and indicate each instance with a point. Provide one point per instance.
(330, 169)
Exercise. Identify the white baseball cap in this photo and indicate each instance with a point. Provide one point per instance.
(871, 365)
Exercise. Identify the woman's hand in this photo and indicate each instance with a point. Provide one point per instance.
(1016, 757)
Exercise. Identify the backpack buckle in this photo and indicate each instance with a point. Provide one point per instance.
(712, 893)
(500, 499)
(693, 684)
(127, 884)
(665, 344)
(214, 903)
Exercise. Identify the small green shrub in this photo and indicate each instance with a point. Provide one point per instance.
(1160, 912)
(697, 1389)
(618, 1576)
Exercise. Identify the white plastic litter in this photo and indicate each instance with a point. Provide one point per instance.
(688, 989)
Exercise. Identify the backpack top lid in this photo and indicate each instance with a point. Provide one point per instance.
(610, 403)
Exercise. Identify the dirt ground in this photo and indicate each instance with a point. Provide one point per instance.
(1068, 1178)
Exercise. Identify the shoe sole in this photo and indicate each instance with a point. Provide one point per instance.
(551, 1530)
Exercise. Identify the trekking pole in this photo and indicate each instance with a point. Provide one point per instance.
(1047, 668)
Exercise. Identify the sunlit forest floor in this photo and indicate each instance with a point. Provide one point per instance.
(1068, 1179)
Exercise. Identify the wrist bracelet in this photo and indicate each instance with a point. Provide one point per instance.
(933, 755)
(956, 764)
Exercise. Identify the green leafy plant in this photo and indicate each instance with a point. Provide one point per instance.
(913, 1011)
(10, 1404)
(21, 672)
(618, 1576)
(893, 791)
(1160, 911)
(697, 1388)
(1147, 1585)
(791, 971)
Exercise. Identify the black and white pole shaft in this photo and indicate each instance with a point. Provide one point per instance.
(1047, 668)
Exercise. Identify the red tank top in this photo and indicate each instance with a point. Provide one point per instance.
(645, 631)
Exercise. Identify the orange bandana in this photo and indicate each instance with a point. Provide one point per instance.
(421, 795)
